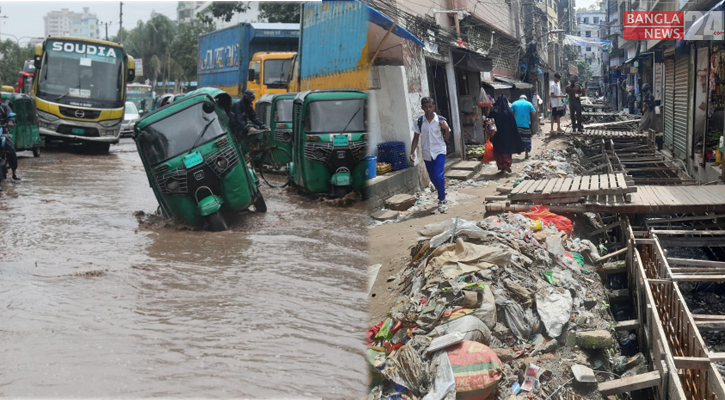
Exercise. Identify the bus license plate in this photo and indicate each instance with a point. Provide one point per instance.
(78, 131)
(339, 140)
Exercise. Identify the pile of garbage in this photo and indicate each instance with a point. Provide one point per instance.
(496, 309)
(553, 163)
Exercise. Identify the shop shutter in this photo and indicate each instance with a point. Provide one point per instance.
(669, 101)
(682, 63)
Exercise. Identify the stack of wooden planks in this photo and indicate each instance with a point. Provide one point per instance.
(607, 133)
(571, 190)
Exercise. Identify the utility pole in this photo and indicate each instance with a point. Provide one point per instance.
(106, 24)
(120, 25)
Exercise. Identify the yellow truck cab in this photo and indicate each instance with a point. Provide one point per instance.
(268, 72)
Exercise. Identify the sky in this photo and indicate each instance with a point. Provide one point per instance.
(25, 18)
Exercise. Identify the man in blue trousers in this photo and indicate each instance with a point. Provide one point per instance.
(432, 131)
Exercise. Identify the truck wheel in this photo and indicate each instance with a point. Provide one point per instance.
(97, 148)
(36, 151)
(216, 222)
(259, 204)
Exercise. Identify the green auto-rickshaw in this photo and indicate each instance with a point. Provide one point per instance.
(193, 164)
(25, 133)
(330, 140)
(275, 110)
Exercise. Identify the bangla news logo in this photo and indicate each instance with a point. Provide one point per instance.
(674, 25)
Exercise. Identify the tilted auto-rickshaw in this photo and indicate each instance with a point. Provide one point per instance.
(193, 164)
(275, 110)
(330, 140)
(25, 133)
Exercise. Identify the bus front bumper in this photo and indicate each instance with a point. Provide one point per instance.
(105, 135)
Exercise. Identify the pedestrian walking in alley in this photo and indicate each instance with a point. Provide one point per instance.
(525, 115)
(574, 91)
(648, 108)
(506, 140)
(557, 105)
(432, 130)
(630, 101)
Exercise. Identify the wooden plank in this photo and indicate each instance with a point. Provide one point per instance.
(610, 255)
(626, 325)
(710, 325)
(564, 186)
(683, 232)
(699, 263)
(604, 181)
(691, 362)
(687, 270)
(584, 186)
(558, 185)
(697, 278)
(708, 317)
(594, 183)
(540, 187)
(624, 385)
(533, 187)
(549, 187)
(575, 185)
(621, 182)
(606, 228)
(519, 188)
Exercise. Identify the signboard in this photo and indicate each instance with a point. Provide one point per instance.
(139, 66)
(673, 25)
(659, 69)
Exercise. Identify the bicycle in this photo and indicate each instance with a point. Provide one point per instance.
(266, 159)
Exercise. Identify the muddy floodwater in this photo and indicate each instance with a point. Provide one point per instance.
(92, 304)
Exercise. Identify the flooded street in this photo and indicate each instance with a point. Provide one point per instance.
(93, 305)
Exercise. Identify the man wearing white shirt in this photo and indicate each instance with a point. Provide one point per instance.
(557, 105)
(432, 131)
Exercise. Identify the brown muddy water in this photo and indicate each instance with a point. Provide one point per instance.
(92, 305)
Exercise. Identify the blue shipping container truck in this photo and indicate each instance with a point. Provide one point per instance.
(224, 55)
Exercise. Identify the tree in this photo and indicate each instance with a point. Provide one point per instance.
(270, 11)
(224, 10)
(185, 49)
(115, 37)
(12, 58)
(585, 71)
(150, 41)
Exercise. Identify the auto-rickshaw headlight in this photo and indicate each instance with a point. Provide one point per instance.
(319, 153)
(172, 184)
(222, 162)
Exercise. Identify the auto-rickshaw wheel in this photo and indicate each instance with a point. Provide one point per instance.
(259, 204)
(36, 151)
(216, 222)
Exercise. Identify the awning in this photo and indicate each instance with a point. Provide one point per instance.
(384, 22)
(472, 61)
(497, 86)
(517, 84)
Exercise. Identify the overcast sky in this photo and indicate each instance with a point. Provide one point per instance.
(25, 18)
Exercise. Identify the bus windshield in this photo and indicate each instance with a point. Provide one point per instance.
(84, 74)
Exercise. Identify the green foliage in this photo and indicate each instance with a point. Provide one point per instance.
(224, 10)
(185, 49)
(12, 58)
(151, 42)
(279, 12)
(585, 71)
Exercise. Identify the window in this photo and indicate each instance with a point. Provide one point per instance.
(91, 35)
(92, 26)
(586, 20)
(578, 20)
(589, 49)
(596, 20)
(579, 33)
(75, 30)
(588, 33)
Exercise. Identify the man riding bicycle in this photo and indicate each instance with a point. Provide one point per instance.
(6, 142)
(243, 117)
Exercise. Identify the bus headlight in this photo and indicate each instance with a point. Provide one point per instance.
(48, 117)
(110, 123)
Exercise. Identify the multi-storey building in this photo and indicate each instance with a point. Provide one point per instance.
(69, 23)
(591, 24)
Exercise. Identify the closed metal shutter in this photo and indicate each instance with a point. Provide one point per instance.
(682, 63)
(669, 101)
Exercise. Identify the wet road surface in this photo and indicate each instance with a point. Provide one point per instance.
(92, 305)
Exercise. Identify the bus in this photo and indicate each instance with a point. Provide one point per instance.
(80, 90)
(141, 95)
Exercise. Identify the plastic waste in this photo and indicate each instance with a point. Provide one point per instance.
(443, 380)
(531, 381)
(486, 312)
(536, 225)
(542, 213)
(477, 369)
(442, 232)
(514, 317)
(384, 332)
(431, 314)
(554, 308)
(473, 328)
(407, 368)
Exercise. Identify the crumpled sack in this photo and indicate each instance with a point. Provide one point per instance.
(514, 316)
(431, 314)
(460, 258)
(443, 381)
(407, 368)
(476, 369)
(473, 328)
(486, 312)
(543, 214)
(442, 232)
(554, 307)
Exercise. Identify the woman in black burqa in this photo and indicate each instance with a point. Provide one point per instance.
(506, 140)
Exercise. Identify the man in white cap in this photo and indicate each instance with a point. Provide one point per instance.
(524, 113)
